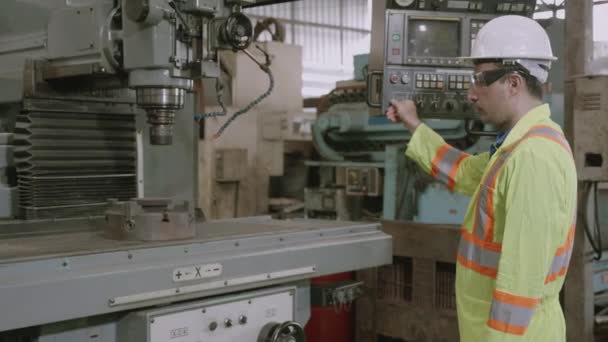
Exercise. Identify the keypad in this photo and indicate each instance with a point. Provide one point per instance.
(459, 82)
(430, 81)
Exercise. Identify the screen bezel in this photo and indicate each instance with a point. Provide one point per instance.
(407, 33)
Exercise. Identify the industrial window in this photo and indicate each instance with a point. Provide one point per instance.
(395, 282)
(330, 32)
(555, 8)
(445, 290)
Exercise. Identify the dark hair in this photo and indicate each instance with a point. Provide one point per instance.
(535, 88)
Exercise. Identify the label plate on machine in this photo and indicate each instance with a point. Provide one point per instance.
(196, 272)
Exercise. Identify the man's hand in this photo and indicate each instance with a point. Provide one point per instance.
(404, 111)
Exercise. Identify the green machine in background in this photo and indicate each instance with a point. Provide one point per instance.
(364, 173)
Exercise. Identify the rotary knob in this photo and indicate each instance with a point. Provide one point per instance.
(212, 326)
(449, 105)
(394, 78)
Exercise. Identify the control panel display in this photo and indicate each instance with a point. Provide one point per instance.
(433, 38)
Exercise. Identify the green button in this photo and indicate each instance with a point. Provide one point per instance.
(396, 37)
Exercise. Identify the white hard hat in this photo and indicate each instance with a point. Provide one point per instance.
(512, 37)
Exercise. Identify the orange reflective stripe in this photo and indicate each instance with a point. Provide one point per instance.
(489, 228)
(454, 171)
(546, 136)
(561, 260)
(484, 207)
(490, 245)
(444, 166)
(510, 313)
(516, 300)
(490, 272)
(569, 242)
(553, 276)
(477, 258)
(507, 328)
(551, 134)
(435, 163)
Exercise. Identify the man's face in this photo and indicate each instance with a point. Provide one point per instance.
(491, 100)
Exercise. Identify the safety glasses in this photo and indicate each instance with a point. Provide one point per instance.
(486, 78)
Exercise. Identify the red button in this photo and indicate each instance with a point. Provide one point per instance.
(394, 78)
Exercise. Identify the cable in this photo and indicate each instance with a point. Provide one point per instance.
(265, 67)
(179, 14)
(596, 243)
(264, 25)
(248, 107)
(219, 89)
(597, 220)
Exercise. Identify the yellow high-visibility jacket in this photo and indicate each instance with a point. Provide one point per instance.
(518, 232)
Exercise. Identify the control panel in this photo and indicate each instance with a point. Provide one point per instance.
(238, 318)
(474, 28)
(425, 41)
(519, 7)
(438, 93)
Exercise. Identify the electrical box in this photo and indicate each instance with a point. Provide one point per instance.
(326, 203)
(232, 318)
(590, 144)
(363, 182)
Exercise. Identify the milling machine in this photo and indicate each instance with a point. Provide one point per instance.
(101, 236)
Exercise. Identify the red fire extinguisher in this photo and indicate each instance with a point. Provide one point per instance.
(331, 314)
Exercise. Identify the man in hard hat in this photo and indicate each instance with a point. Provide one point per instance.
(518, 232)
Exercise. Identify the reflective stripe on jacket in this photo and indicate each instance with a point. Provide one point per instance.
(518, 232)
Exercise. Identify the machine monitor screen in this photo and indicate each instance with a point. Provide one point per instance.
(433, 38)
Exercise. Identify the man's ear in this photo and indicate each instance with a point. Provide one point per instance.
(516, 82)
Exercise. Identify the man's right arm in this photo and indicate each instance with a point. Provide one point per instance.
(459, 171)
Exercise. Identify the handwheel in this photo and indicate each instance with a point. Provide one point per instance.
(282, 332)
